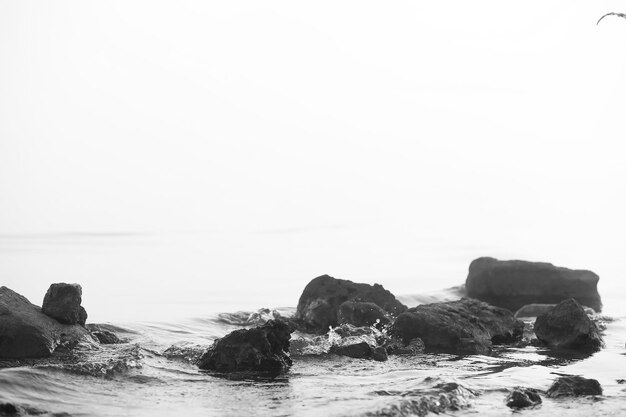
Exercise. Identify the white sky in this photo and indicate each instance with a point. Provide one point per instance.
(443, 117)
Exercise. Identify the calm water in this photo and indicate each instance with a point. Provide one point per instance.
(165, 290)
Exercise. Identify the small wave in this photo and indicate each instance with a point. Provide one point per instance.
(254, 318)
(343, 335)
(437, 399)
(448, 294)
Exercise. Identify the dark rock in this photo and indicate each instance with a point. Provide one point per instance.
(319, 303)
(567, 326)
(463, 327)
(260, 349)
(25, 332)
(359, 313)
(62, 302)
(574, 386)
(106, 337)
(414, 347)
(8, 409)
(513, 284)
(522, 398)
(360, 350)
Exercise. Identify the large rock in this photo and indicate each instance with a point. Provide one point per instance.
(260, 349)
(319, 303)
(567, 326)
(25, 332)
(574, 386)
(62, 302)
(463, 327)
(512, 284)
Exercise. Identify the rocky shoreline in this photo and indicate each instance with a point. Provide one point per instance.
(357, 320)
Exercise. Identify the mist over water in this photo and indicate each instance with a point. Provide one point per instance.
(161, 276)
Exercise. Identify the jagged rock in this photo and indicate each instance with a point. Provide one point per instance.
(260, 349)
(62, 302)
(25, 332)
(567, 326)
(574, 386)
(360, 350)
(463, 327)
(359, 313)
(513, 284)
(414, 347)
(522, 398)
(319, 303)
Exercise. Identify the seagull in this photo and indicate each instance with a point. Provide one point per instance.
(612, 14)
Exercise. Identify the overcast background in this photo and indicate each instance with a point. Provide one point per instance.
(223, 144)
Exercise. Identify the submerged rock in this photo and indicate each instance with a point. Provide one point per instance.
(574, 386)
(439, 399)
(360, 350)
(62, 302)
(359, 313)
(522, 398)
(260, 349)
(414, 347)
(25, 332)
(567, 326)
(513, 284)
(463, 327)
(319, 303)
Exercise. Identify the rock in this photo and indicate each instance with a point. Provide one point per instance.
(567, 326)
(462, 327)
(360, 350)
(62, 302)
(106, 337)
(8, 409)
(513, 284)
(319, 303)
(260, 349)
(359, 313)
(414, 347)
(522, 398)
(25, 332)
(574, 386)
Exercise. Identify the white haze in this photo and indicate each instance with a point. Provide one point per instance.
(253, 145)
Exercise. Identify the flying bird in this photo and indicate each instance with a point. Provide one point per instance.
(623, 15)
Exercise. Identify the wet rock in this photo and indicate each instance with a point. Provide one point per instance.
(574, 386)
(8, 409)
(513, 284)
(397, 347)
(360, 350)
(25, 332)
(62, 302)
(260, 349)
(106, 337)
(319, 303)
(462, 327)
(567, 326)
(359, 313)
(522, 398)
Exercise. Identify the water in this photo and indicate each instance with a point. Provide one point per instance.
(178, 292)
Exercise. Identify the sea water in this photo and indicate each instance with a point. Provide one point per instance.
(177, 292)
